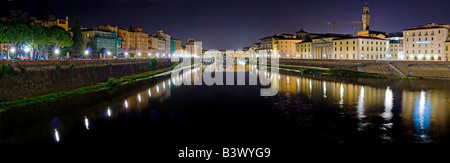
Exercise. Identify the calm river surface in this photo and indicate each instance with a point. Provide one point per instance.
(308, 108)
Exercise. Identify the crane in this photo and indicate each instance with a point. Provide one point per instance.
(355, 27)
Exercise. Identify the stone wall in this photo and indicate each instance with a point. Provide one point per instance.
(423, 69)
(43, 77)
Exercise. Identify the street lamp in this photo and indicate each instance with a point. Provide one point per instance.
(12, 50)
(139, 54)
(86, 53)
(126, 54)
(56, 51)
(27, 49)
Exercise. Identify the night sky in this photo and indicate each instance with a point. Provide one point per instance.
(233, 24)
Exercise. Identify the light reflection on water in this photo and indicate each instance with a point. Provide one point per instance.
(421, 114)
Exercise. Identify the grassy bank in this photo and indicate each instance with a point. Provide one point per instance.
(111, 82)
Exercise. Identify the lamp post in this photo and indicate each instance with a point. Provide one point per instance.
(126, 54)
(109, 54)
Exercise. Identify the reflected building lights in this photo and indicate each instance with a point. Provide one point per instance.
(422, 117)
(149, 93)
(108, 112)
(388, 104)
(310, 85)
(341, 96)
(360, 107)
(56, 135)
(125, 103)
(324, 89)
(86, 122)
(157, 89)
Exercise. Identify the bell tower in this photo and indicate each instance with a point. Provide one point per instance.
(366, 17)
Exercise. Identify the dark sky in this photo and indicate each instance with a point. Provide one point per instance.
(233, 24)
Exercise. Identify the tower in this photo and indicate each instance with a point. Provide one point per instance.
(366, 17)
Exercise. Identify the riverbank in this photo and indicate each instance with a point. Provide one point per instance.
(110, 83)
(29, 79)
(340, 72)
(391, 69)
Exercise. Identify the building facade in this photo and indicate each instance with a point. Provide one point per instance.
(396, 48)
(426, 43)
(281, 46)
(98, 38)
(193, 48)
(52, 21)
(360, 48)
(134, 41)
(447, 50)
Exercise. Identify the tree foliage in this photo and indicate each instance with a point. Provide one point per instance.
(78, 44)
(19, 17)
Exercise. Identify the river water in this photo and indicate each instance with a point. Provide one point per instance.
(309, 108)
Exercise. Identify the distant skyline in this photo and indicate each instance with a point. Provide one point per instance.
(234, 24)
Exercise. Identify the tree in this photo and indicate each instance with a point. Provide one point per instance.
(78, 44)
(18, 35)
(3, 38)
(18, 17)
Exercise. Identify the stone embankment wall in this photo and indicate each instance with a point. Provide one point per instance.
(423, 69)
(43, 77)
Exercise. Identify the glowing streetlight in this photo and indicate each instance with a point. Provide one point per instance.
(139, 54)
(56, 51)
(86, 52)
(27, 49)
(13, 50)
(109, 53)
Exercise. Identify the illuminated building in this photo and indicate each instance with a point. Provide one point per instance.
(396, 47)
(134, 40)
(284, 44)
(321, 47)
(160, 43)
(176, 45)
(426, 42)
(193, 48)
(360, 48)
(52, 21)
(447, 50)
(102, 37)
(157, 46)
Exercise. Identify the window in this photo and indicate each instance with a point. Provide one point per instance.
(354, 48)
(446, 48)
(347, 48)
(353, 42)
(347, 42)
(340, 43)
